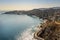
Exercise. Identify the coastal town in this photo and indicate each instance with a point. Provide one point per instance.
(50, 29)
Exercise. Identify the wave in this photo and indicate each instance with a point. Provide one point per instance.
(27, 34)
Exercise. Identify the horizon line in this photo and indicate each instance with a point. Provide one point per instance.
(27, 9)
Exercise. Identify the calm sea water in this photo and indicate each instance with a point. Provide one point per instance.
(17, 27)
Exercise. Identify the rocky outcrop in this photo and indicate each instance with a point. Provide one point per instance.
(50, 31)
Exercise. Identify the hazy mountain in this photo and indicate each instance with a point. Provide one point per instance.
(43, 8)
(56, 7)
(2, 12)
(41, 12)
(49, 8)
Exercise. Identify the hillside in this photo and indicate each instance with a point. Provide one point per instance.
(41, 13)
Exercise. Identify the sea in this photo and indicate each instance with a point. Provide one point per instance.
(18, 27)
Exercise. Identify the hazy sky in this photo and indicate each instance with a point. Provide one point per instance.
(27, 4)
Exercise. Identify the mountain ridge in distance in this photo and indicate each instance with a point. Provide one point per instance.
(49, 8)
